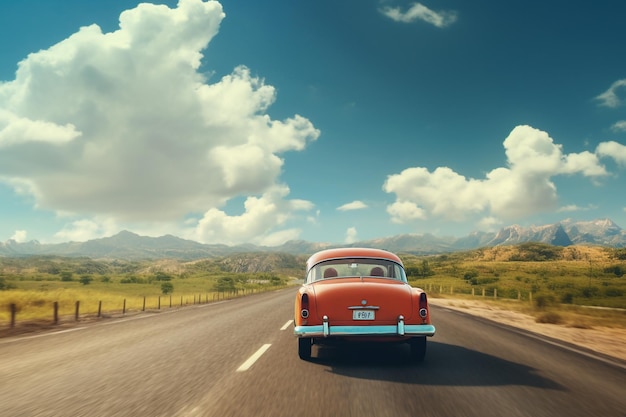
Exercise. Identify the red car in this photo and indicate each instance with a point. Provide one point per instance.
(359, 294)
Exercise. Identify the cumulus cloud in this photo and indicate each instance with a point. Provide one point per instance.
(124, 127)
(269, 209)
(355, 205)
(418, 11)
(614, 150)
(86, 229)
(522, 188)
(574, 207)
(19, 236)
(351, 235)
(611, 98)
(619, 126)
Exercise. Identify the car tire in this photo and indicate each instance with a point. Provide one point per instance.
(304, 348)
(418, 349)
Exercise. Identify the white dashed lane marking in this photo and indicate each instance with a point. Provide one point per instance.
(252, 359)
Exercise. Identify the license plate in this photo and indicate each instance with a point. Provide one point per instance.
(363, 315)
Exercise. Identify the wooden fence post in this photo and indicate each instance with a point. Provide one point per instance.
(495, 293)
(76, 314)
(159, 305)
(124, 308)
(56, 312)
(144, 304)
(13, 314)
(100, 308)
(170, 301)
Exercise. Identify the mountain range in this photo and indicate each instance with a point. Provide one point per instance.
(128, 245)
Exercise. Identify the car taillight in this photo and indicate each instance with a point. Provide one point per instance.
(304, 306)
(423, 308)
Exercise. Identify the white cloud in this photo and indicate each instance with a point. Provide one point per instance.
(85, 229)
(257, 225)
(351, 235)
(614, 150)
(139, 133)
(506, 193)
(15, 130)
(418, 11)
(489, 224)
(405, 211)
(610, 97)
(355, 205)
(574, 207)
(19, 236)
(619, 126)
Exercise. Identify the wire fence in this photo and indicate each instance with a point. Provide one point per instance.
(56, 312)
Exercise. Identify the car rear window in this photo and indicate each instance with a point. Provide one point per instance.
(356, 267)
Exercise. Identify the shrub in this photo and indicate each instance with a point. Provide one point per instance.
(544, 300)
(66, 276)
(549, 317)
(567, 298)
(617, 270)
(5, 285)
(224, 284)
(469, 275)
(85, 280)
(589, 292)
(613, 292)
(167, 288)
(162, 276)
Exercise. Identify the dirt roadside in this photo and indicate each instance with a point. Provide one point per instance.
(604, 340)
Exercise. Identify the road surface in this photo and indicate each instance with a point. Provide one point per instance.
(239, 358)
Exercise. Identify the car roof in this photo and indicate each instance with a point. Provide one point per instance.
(351, 253)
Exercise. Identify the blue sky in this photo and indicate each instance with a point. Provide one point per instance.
(330, 121)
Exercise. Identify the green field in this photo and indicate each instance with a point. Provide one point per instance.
(34, 285)
(575, 284)
(562, 285)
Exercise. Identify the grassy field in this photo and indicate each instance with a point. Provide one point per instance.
(34, 285)
(575, 285)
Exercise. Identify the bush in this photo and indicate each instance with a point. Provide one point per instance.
(224, 284)
(5, 285)
(469, 275)
(167, 288)
(617, 270)
(544, 300)
(613, 292)
(66, 276)
(162, 276)
(85, 280)
(589, 292)
(132, 280)
(567, 298)
(549, 317)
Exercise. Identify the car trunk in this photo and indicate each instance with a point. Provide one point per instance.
(333, 298)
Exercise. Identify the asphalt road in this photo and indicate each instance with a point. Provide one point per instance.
(239, 358)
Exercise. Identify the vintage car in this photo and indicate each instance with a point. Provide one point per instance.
(362, 295)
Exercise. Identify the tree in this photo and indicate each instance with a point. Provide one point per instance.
(167, 288)
(85, 279)
(224, 284)
(66, 276)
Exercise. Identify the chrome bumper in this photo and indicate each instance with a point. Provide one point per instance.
(401, 329)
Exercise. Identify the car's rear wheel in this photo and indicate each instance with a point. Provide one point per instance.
(304, 347)
(418, 349)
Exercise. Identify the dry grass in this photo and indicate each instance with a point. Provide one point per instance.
(565, 315)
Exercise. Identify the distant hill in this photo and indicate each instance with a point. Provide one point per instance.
(130, 246)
